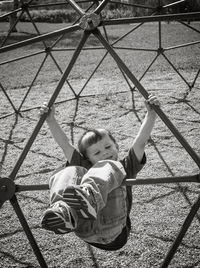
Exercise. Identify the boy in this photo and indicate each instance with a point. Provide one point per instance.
(87, 196)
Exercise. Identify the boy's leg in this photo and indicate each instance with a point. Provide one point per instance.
(91, 195)
(60, 218)
(68, 176)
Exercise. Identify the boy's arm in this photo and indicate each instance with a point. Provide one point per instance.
(57, 133)
(145, 129)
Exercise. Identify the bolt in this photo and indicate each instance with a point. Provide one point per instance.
(3, 188)
(89, 21)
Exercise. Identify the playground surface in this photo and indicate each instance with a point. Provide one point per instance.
(158, 210)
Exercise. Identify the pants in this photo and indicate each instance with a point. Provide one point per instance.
(102, 178)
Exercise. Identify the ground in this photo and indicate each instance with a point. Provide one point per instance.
(107, 101)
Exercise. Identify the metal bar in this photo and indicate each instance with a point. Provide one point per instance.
(10, 30)
(60, 70)
(7, 115)
(51, 101)
(56, 4)
(129, 32)
(99, 48)
(132, 5)
(189, 178)
(4, 91)
(131, 181)
(189, 26)
(35, 26)
(145, 94)
(76, 7)
(148, 68)
(183, 45)
(10, 13)
(21, 58)
(72, 49)
(181, 234)
(49, 5)
(144, 19)
(28, 232)
(195, 78)
(136, 49)
(173, 4)
(60, 38)
(23, 188)
(101, 6)
(159, 36)
(74, 23)
(175, 69)
(32, 83)
(40, 38)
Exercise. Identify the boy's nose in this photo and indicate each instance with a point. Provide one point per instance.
(105, 154)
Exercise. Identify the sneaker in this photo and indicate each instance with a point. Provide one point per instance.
(58, 219)
(81, 200)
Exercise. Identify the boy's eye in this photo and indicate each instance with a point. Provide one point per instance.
(97, 153)
(108, 146)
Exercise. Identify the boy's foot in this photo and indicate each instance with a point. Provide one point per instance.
(58, 218)
(82, 200)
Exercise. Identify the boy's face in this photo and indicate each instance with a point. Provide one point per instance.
(102, 150)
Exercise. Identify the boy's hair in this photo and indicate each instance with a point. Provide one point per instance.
(96, 135)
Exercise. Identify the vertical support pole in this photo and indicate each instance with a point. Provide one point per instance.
(181, 234)
(28, 232)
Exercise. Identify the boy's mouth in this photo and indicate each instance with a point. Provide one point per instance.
(109, 158)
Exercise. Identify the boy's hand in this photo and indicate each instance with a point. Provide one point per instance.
(45, 109)
(151, 100)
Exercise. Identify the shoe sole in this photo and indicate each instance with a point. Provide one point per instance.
(76, 200)
(52, 222)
